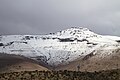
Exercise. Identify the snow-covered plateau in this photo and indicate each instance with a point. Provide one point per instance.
(61, 47)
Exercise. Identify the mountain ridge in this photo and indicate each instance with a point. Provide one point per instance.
(61, 47)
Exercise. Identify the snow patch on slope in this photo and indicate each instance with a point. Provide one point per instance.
(61, 47)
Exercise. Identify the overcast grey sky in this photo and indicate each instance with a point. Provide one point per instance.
(45, 16)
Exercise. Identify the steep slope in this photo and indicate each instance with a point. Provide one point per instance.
(62, 47)
(15, 63)
(94, 62)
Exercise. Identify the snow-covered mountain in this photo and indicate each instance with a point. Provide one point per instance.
(61, 47)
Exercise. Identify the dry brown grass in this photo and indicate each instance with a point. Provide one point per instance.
(93, 63)
(13, 63)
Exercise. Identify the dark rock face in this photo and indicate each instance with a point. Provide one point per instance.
(66, 40)
(1, 44)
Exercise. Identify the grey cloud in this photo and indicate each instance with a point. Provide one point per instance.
(44, 16)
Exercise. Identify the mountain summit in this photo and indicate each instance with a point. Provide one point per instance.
(62, 47)
(76, 32)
